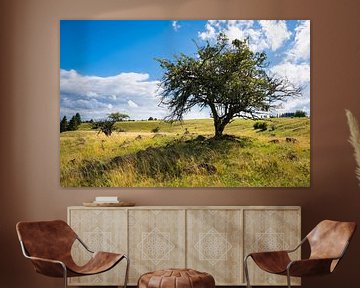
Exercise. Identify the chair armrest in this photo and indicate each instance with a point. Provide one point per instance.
(280, 251)
(48, 267)
(84, 245)
(298, 246)
(45, 260)
(271, 261)
(268, 254)
(309, 267)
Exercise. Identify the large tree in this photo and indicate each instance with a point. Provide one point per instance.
(227, 77)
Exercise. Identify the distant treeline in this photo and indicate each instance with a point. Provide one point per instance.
(75, 121)
(298, 113)
(106, 125)
(71, 125)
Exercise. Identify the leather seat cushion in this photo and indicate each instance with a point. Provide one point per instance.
(176, 278)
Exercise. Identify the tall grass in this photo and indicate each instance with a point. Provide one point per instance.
(186, 155)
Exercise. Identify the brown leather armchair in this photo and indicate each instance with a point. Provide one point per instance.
(48, 245)
(328, 242)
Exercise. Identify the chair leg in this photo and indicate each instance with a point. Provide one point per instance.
(65, 276)
(127, 271)
(246, 270)
(288, 278)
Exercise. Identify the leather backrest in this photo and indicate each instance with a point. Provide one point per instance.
(46, 239)
(329, 238)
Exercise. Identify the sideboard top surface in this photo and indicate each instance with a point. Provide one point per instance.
(193, 207)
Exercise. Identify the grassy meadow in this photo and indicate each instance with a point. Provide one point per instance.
(185, 155)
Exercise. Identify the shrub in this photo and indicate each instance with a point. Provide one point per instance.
(156, 129)
(107, 127)
(104, 126)
(95, 125)
(262, 126)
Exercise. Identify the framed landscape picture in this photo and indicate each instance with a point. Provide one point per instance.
(185, 103)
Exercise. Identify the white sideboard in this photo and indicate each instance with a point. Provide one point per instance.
(211, 239)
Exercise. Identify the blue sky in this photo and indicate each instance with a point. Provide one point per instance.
(109, 65)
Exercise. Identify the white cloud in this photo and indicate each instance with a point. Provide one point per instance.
(263, 34)
(131, 93)
(276, 33)
(300, 51)
(297, 74)
(132, 104)
(299, 103)
(176, 26)
(95, 86)
(197, 113)
(210, 32)
(96, 97)
(91, 94)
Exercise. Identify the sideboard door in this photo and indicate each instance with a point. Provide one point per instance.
(101, 230)
(214, 244)
(156, 240)
(270, 230)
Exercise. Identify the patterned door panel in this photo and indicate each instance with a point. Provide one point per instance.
(214, 244)
(157, 240)
(101, 230)
(270, 230)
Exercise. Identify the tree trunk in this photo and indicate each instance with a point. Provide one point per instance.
(220, 124)
(219, 128)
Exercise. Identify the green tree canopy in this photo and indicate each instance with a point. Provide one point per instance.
(73, 124)
(106, 127)
(300, 113)
(227, 77)
(63, 124)
(77, 118)
(117, 116)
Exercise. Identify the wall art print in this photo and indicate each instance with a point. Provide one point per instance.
(185, 103)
